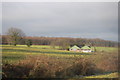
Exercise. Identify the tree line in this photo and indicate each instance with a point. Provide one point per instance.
(16, 36)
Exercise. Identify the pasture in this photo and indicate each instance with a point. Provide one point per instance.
(105, 60)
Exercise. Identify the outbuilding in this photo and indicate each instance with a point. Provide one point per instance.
(74, 48)
(86, 49)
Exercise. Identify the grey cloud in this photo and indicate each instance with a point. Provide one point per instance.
(63, 19)
(0, 18)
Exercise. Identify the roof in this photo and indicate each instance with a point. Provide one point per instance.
(75, 47)
(85, 47)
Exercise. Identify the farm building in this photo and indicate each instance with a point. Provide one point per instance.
(86, 49)
(74, 48)
(80, 49)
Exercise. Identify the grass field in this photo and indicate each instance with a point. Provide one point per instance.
(105, 58)
(13, 53)
(108, 75)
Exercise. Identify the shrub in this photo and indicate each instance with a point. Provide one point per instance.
(108, 62)
(18, 70)
(28, 42)
(49, 67)
(81, 67)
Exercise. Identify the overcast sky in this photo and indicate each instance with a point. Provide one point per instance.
(63, 19)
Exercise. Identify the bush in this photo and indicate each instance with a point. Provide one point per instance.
(17, 70)
(29, 42)
(49, 67)
(81, 67)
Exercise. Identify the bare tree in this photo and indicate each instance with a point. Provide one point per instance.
(15, 35)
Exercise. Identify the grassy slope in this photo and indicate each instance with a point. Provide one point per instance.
(110, 75)
(11, 54)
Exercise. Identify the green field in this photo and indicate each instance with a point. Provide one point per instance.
(14, 54)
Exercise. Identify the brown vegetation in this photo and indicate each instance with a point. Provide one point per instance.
(48, 67)
(43, 66)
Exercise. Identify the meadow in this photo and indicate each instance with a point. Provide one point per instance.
(43, 61)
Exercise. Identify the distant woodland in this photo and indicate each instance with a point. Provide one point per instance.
(62, 41)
